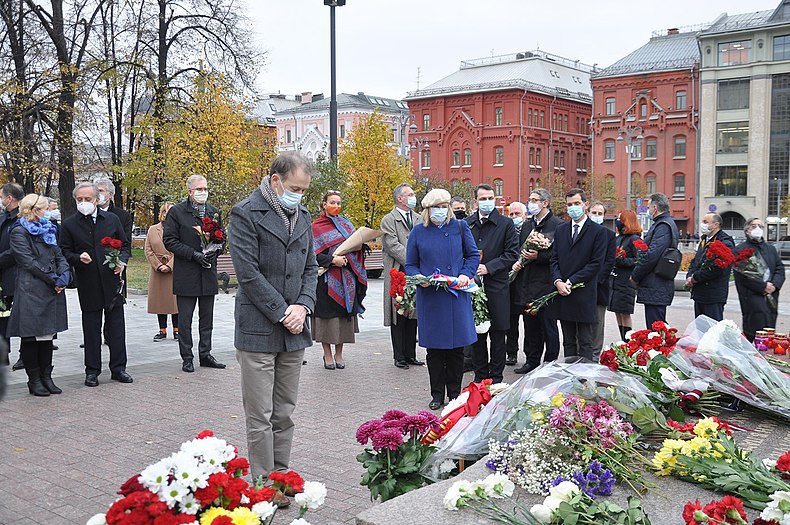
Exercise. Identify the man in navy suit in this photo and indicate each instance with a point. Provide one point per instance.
(577, 257)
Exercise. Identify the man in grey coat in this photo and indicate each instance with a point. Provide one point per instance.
(271, 244)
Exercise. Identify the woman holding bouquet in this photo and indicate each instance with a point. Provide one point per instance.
(623, 292)
(759, 275)
(342, 288)
(40, 312)
(445, 244)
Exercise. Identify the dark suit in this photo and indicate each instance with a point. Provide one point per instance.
(578, 260)
(498, 242)
(98, 287)
(712, 285)
(604, 292)
(193, 285)
(7, 269)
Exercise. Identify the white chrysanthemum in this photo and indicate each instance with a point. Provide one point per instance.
(155, 477)
(174, 493)
(187, 471)
(483, 327)
(189, 504)
(446, 466)
(98, 519)
(772, 513)
(312, 496)
(564, 490)
(541, 512)
(264, 509)
(498, 486)
(455, 403)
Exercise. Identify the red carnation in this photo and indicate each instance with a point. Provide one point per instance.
(689, 511)
(744, 254)
(218, 235)
(609, 358)
(238, 467)
(208, 228)
(294, 481)
(732, 507)
(263, 494)
(620, 253)
(640, 245)
(783, 463)
(205, 434)
(131, 485)
(642, 358)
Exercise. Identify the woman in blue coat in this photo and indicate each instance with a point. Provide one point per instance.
(445, 320)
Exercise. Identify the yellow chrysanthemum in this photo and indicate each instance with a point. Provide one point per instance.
(244, 516)
(212, 512)
(558, 399)
(697, 447)
(537, 416)
(706, 427)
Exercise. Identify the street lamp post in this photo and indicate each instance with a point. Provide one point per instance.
(401, 120)
(420, 144)
(333, 79)
(628, 134)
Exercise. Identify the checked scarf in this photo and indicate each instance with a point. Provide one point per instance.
(328, 234)
(287, 215)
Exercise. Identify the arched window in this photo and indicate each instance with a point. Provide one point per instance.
(499, 156)
(531, 185)
(456, 158)
(650, 184)
(732, 221)
(467, 157)
(499, 187)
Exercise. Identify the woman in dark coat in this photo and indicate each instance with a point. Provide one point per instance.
(758, 311)
(341, 289)
(40, 312)
(623, 291)
(445, 320)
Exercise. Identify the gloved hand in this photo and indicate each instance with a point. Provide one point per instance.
(201, 259)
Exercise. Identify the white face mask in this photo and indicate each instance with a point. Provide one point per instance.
(86, 208)
(102, 199)
(703, 229)
(756, 233)
(55, 215)
(200, 196)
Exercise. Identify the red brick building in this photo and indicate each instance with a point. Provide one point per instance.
(516, 122)
(652, 95)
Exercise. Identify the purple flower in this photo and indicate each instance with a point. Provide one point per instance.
(389, 438)
(431, 419)
(391, 415)
(596, 482)
(367, 430)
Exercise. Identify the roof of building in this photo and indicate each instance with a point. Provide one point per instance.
(532, 70)
(268, 105)
(347, 100)
(662, 53)
(740, 22)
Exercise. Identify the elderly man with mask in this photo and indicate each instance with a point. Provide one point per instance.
(709, 286)
(194, 272)
(759, 297)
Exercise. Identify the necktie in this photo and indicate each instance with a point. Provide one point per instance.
(408, 221)
(575, 232)
(483, 220)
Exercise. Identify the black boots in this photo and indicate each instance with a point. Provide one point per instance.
(623, 330)
(34, 383)
(46, 380)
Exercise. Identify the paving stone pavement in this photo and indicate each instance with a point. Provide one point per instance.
(62, 458)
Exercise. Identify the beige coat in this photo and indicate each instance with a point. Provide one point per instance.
(396, 234)
(160, 284)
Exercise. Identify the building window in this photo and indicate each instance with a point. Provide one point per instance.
(287, 136)
(733, 94)
(732, 137)
(456, 158)
(680, 185)
(529, 117)
(651, 149)
(731, 181)
(542, 119)
(608, 150)
(343, 132)
(531, 185)
(680, 147)
(426, 159)
(426, 122)
(553, 121)
(610, 105)
(610, 185)
(643, 111)
(467, 157)
(735, 53)
(556, 159)
(680, 100)
(782, 47)
(578, 161)
(584, 161)
(537, 158)
(636, 150)
(531, 156)
(562, 159)
(650, 185)
(497, 116)
(499, 156)
(499, 187)
(566, 122)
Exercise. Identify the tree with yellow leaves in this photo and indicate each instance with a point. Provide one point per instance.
(374, 169)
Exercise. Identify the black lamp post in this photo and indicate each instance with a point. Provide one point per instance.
(333, 75)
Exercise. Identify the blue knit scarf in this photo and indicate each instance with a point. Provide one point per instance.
(42, 228)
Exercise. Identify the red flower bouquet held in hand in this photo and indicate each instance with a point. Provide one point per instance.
(211, 235)
(717, 255)
(113, 248)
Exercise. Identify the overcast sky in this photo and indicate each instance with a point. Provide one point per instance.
(382, 43)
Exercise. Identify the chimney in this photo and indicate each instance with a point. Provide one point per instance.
(307, 97)
(673, 31)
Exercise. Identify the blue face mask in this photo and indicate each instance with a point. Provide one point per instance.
(47, 215)
(486, 207)
(597, 219)
(518, 221)
(289, 199)
(533, 208)
(438, 215)
(576, 212)
(411, 202)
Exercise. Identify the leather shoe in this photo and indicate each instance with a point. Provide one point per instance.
(91, 380)
(511, 361)
(402, 364)
(187, 366)
(281, 500)
(435, 405)
(122, 376)
(210, 362)
(526, 369)
(415, 362)
(19, 365)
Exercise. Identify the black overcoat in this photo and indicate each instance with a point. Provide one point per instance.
(534, 280)
(7, 261)
(189, 277)
(652, 289)
(97, 284)
(623, 292)
(712, 285)
(604, 292)
(578, 261)
(498, 241)
(757, 313)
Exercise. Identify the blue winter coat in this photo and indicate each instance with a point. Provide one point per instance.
(444, 320)
(652, 289)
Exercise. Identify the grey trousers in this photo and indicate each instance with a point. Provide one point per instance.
(269, 388)
(598, 334)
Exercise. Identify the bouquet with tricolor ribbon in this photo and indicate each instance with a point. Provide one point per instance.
(451, 284)
(472, 399)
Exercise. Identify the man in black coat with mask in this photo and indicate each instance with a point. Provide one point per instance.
(496, 238)
(194, 272)
(10, 195)
(99, 286)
